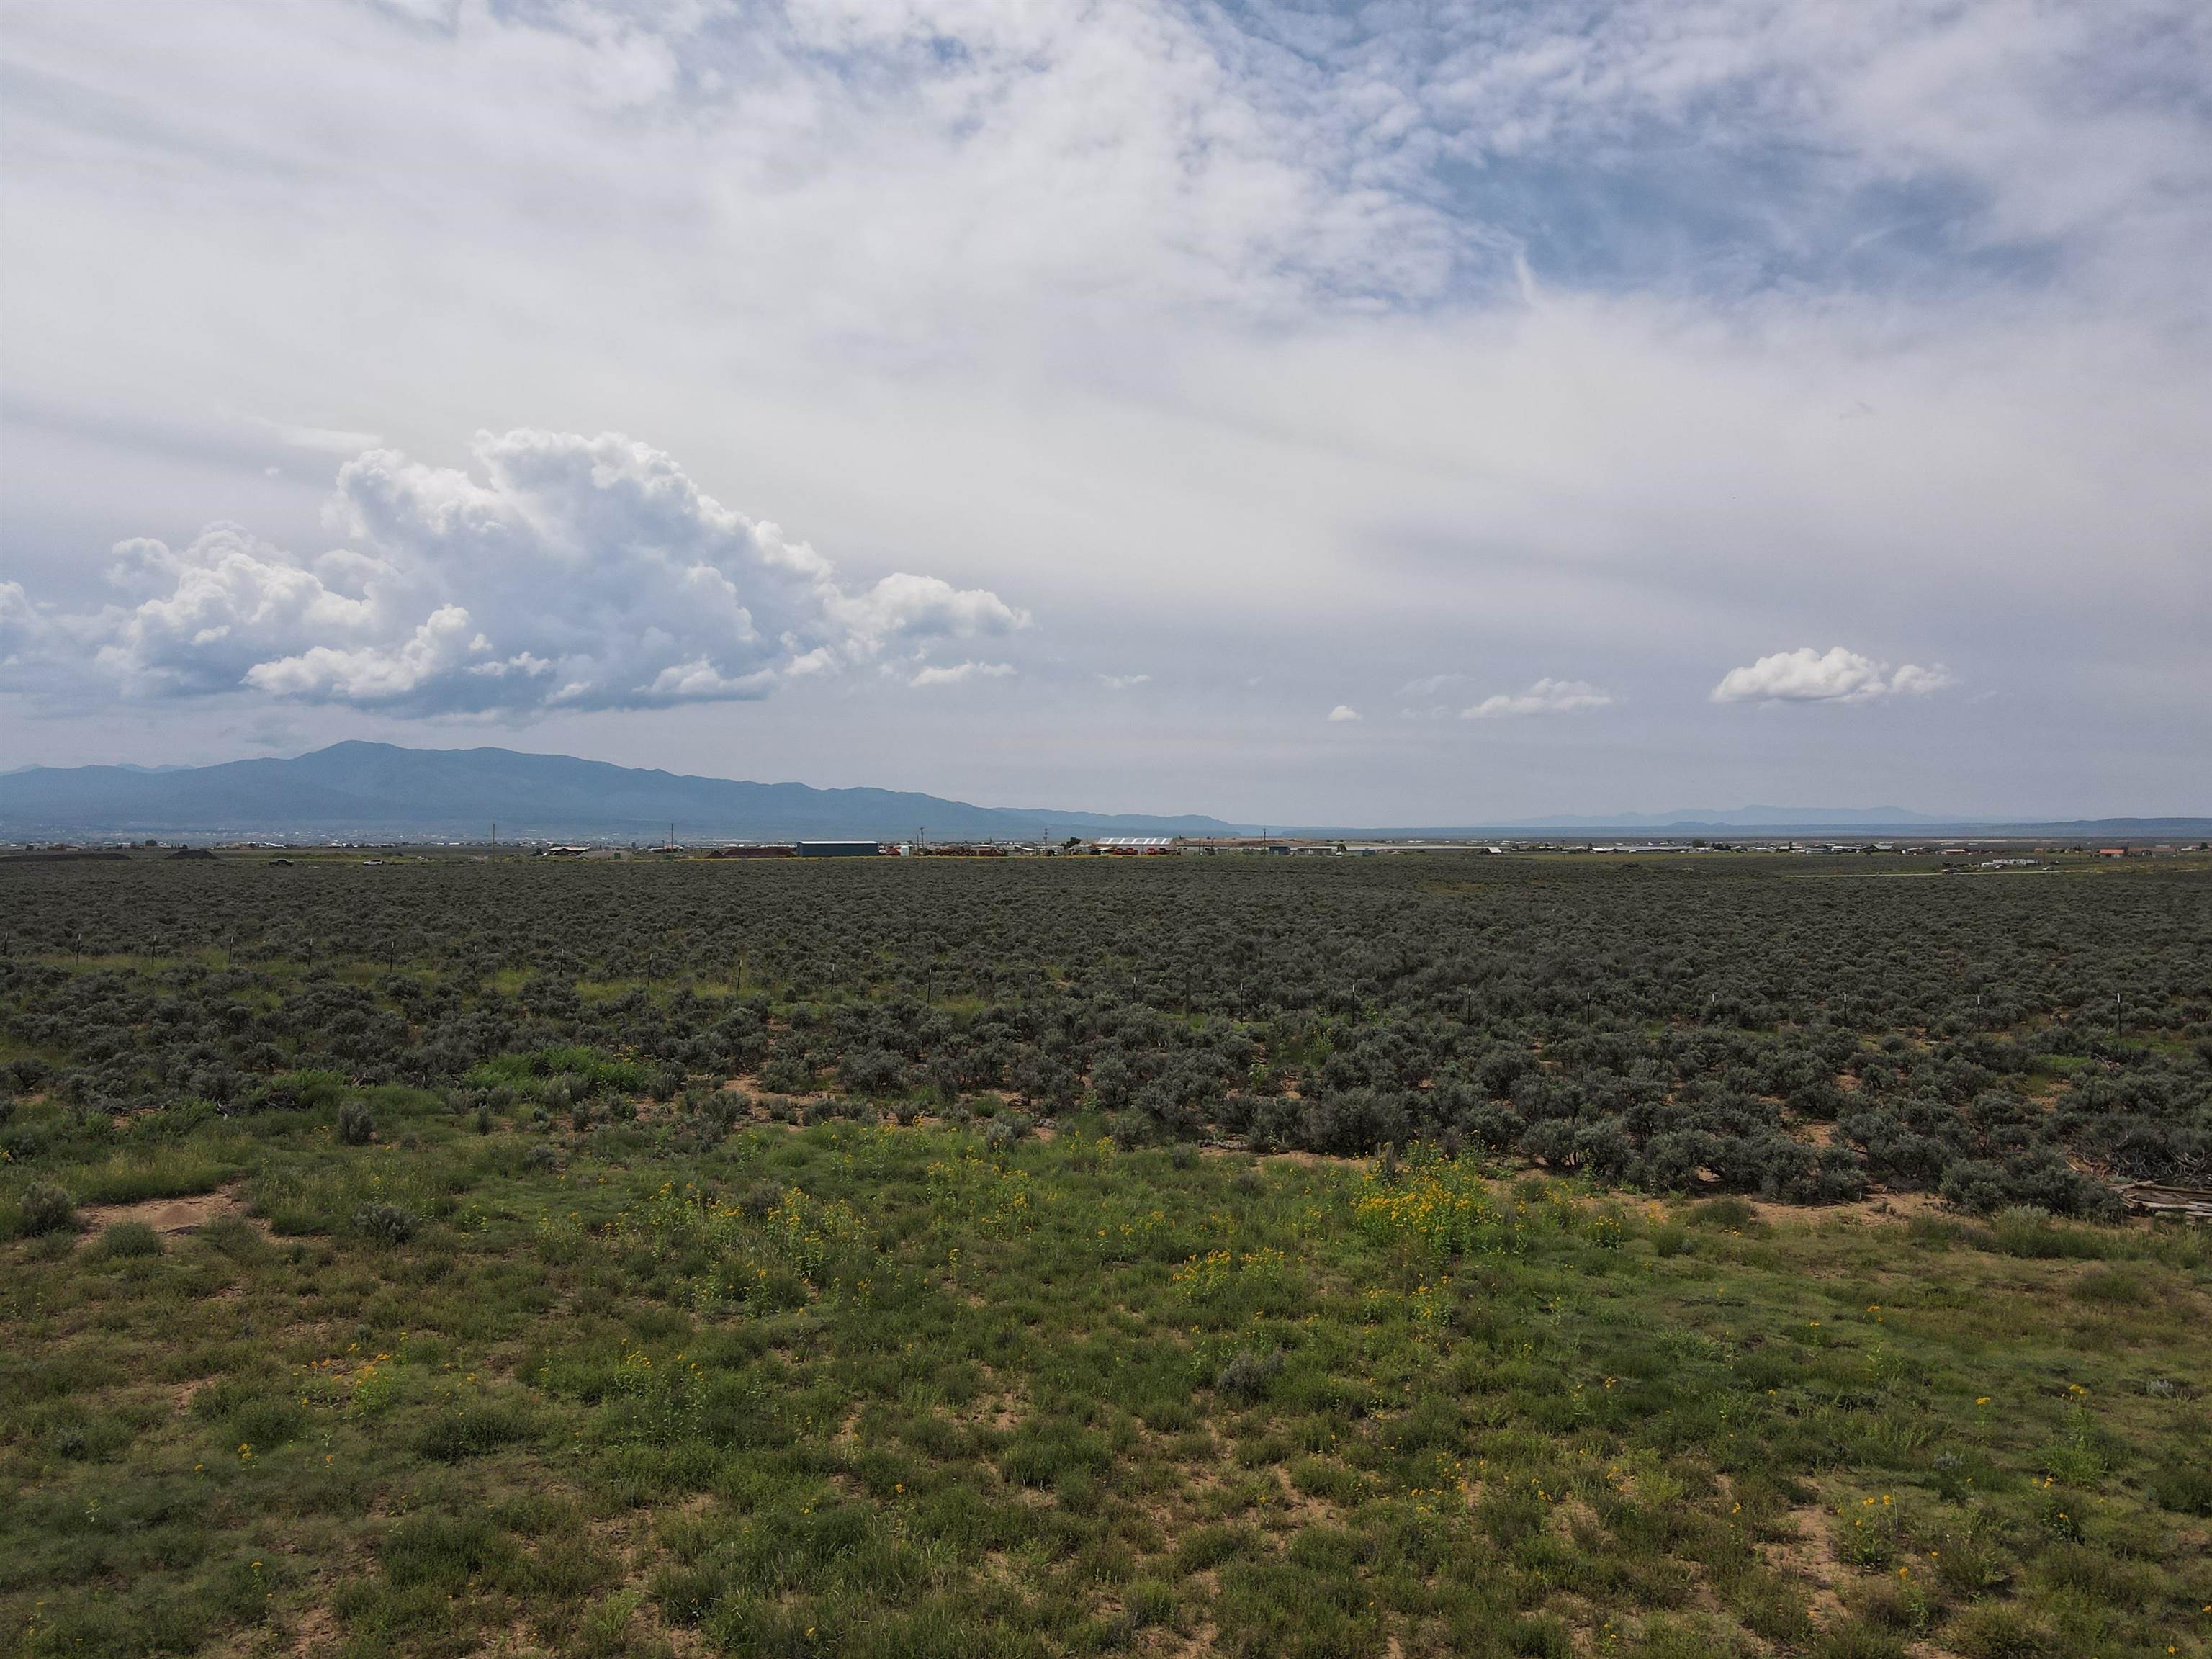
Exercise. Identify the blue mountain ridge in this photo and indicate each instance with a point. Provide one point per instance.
(377, 788)
(383, 791)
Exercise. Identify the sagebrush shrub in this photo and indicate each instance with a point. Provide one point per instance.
(386, 1223)
(1247, 1378)
(1003, 1131)
(47, 1208)
(1728, 1212)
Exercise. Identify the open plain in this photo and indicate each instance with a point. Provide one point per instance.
(1401, 1256)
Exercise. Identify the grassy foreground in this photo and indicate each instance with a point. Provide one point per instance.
(677, 1383)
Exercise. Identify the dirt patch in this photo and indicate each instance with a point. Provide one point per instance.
(1301, 1509)
(1569, 1515)
(171, 1216)
(1876, 1206)
(315, 1631)
(1001, 1413)
(1811, 1556)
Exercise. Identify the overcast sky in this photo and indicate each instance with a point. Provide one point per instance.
(1395, 414)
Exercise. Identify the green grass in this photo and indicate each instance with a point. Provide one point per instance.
(135, 1176)
(910, 1396)
(126, 1239)
(595, 1071)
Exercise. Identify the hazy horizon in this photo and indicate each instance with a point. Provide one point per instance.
(1784, 816)
(1355, 414)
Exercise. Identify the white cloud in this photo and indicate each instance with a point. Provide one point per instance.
(1910, 680)
(21, 628)
(1343, 712)
(439, 646)
(1123, 682)
(328, 440)
(699, 680)
(1834, 676)
(959, 672)
(919, 607)
(1429, 685)
(1546, 696)
(1160, 320)
(567, 573)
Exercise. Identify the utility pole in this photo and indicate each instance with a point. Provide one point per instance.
(494, 832)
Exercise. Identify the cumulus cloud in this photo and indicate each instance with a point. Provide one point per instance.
(1123, 682)
(22, 627)
(1343, 712)
(1834, 676)
(563, 573)
(1912, 682)
(956, 672)
(919, 607)
(1546, 696)
(1220, 278)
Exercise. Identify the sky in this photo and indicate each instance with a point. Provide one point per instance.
(1383, 414)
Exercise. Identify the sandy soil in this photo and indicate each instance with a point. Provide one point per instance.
(169, 1216)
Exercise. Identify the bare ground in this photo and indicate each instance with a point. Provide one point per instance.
(171, 1216)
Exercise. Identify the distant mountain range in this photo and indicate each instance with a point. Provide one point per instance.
(377, 791)
(1747, 823)
(1762, 817)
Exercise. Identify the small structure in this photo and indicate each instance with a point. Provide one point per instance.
(838, 849)
(2152, 1198)
(1134, 845)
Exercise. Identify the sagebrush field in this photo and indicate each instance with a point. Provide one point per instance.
(1402, 1256)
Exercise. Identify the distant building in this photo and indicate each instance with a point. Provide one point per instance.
(838, 849)
(1135, 844)
(2111, 852)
